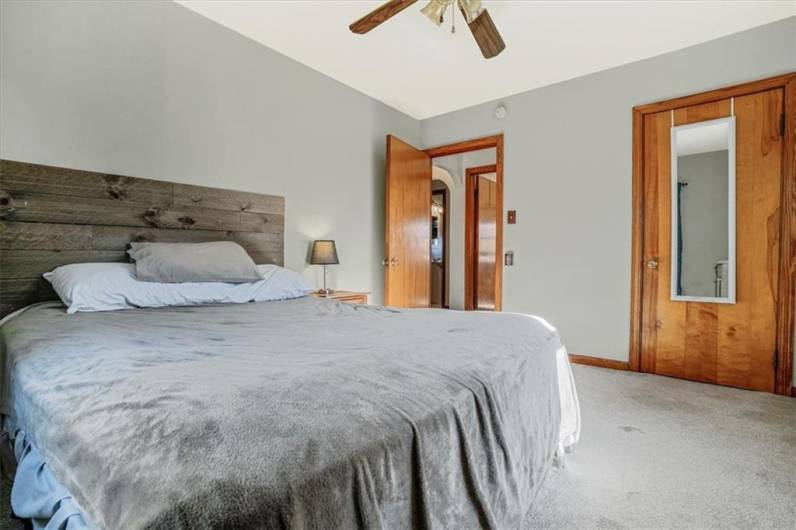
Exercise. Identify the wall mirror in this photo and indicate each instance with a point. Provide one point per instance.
(703, 211)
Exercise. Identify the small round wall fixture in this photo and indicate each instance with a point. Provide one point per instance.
(500, 111)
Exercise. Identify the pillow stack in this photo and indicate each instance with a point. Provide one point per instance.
(174, 274)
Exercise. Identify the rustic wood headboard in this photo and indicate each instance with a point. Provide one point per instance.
(51, 216)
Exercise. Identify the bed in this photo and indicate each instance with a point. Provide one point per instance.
(304, 413)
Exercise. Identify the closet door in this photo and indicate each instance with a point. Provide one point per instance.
(698, 322)
(407, 263)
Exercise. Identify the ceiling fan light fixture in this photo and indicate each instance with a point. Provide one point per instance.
(435, 10)
(472, 9)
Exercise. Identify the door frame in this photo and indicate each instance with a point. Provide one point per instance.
(445, 246)
(470, 220)
(477, 144)
(787, 245)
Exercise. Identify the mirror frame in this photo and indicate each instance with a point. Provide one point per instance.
(731, 258)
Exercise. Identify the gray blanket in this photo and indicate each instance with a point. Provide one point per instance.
(298, 414)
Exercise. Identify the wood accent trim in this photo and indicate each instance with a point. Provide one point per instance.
(470, 176)
(637, 248)
(469, 239)
(743, 89)
(588, 360)
(499, 225)
(787, 265)
(787, 247)
(52, 216)
(476, 144)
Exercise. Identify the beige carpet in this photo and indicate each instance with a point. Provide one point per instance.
(664, 453)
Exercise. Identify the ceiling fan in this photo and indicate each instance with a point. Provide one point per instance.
(477, 17)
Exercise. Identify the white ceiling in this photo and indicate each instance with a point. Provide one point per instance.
(422, 70)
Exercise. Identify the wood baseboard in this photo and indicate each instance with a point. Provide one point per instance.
(599, 362)
(793, 392)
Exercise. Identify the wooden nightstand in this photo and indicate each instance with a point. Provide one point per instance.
(348, 297)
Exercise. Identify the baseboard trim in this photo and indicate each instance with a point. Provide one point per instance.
(613, 364)
(793, 392)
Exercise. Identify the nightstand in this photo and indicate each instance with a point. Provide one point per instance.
(348, 297)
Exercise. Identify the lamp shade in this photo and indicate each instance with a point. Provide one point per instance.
(324, 252)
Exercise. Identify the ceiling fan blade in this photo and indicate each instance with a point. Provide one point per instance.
(379, 15)
(486, 35)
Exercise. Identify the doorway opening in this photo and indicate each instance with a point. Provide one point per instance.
(480, 222)
(424, 246)
(472, 174)
(439, 244)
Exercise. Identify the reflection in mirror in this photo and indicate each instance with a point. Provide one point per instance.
(703, 211)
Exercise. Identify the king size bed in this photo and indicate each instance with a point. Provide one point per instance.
(300, 413)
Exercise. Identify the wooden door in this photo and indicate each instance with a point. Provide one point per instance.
(407, 276)
(486, 261)
(728, 344)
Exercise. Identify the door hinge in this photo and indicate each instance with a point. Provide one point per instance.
(782, 124)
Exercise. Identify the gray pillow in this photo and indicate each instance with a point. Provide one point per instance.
(221, 261)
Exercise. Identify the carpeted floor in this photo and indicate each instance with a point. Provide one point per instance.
(664, 453)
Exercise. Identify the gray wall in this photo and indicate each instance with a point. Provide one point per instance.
(568, 175)
(704, 216)
(152, 89)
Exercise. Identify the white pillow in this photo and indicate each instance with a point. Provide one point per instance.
(111, 286)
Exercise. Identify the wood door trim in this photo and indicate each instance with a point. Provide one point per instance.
(743, 89)
(476, 144)
(787, 246)
(599, 362)
(785, 298)
(470, 220)
(445, 244)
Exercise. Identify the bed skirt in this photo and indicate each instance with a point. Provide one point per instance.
(36, 494)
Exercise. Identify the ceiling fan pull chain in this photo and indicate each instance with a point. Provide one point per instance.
(453, 18)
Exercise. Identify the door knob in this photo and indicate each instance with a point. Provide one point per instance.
(652, 264)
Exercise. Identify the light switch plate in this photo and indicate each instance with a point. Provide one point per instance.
(508, 258)
(512, 217)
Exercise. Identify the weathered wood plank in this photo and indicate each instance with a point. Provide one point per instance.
(238, 201)
(44, 236)
(15, 294)
(267, 257)
(35, 178)
(118, 237)
(48, 208)
(18, 264)
(262, 222)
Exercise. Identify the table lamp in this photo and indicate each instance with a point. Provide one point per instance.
(324, 252)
